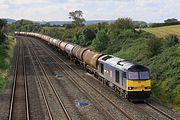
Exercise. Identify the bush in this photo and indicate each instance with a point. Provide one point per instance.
(153, 47)
(171, 40)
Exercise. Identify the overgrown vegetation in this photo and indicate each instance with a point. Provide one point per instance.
(6, 52)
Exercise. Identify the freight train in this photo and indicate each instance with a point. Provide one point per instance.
(130, 80)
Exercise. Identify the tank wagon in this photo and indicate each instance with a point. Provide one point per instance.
(132, 81)
(62, 46)
(91, 60)
(68, 49)
(77, 52)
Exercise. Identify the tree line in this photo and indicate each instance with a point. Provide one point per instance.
(167, 22)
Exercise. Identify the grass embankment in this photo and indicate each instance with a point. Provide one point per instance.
(6, 54)
(164, 31)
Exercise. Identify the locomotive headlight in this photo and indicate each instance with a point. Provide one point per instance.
(130, 88)
(148, 87)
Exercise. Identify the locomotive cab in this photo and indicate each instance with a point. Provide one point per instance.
(138, 85)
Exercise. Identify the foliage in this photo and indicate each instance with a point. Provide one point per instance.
(118, 38)
(25, 25)
(2, 31)
(55, 32)
(6, 53)
(171, 40)
(153, 47)
(123, 23)
(84, 36)
(171, 20)
(101, 41)
(77, 17)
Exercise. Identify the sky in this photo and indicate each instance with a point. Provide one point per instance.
(58, 10)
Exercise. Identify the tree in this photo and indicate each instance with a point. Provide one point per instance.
(171, 20)
(85, 36)
(2, 30)
(77, 17)
(26, 25)
(100, 43)
(123, 23)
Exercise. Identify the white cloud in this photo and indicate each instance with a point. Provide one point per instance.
(148, 10)
(29, 1)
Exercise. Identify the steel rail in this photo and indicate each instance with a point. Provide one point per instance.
(52, 86)
(160, 111)
(40, 85)
(10, 117)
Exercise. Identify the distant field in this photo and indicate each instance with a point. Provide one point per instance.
(163, 31)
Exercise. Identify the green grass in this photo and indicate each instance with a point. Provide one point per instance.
(6, 54)
(164, 31)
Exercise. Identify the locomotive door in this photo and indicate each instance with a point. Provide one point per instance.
(117, 76)
(102, 68)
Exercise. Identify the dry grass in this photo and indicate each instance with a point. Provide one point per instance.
(163, 31)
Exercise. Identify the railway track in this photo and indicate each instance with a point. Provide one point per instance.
(71, 77)
(160, 111)
(52, 86)
(153, 111)
(141, 108)
(19, 105)
(40, 86)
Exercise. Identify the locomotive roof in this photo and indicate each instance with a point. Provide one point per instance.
(120, 63)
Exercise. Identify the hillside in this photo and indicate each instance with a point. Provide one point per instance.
(163, 31)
